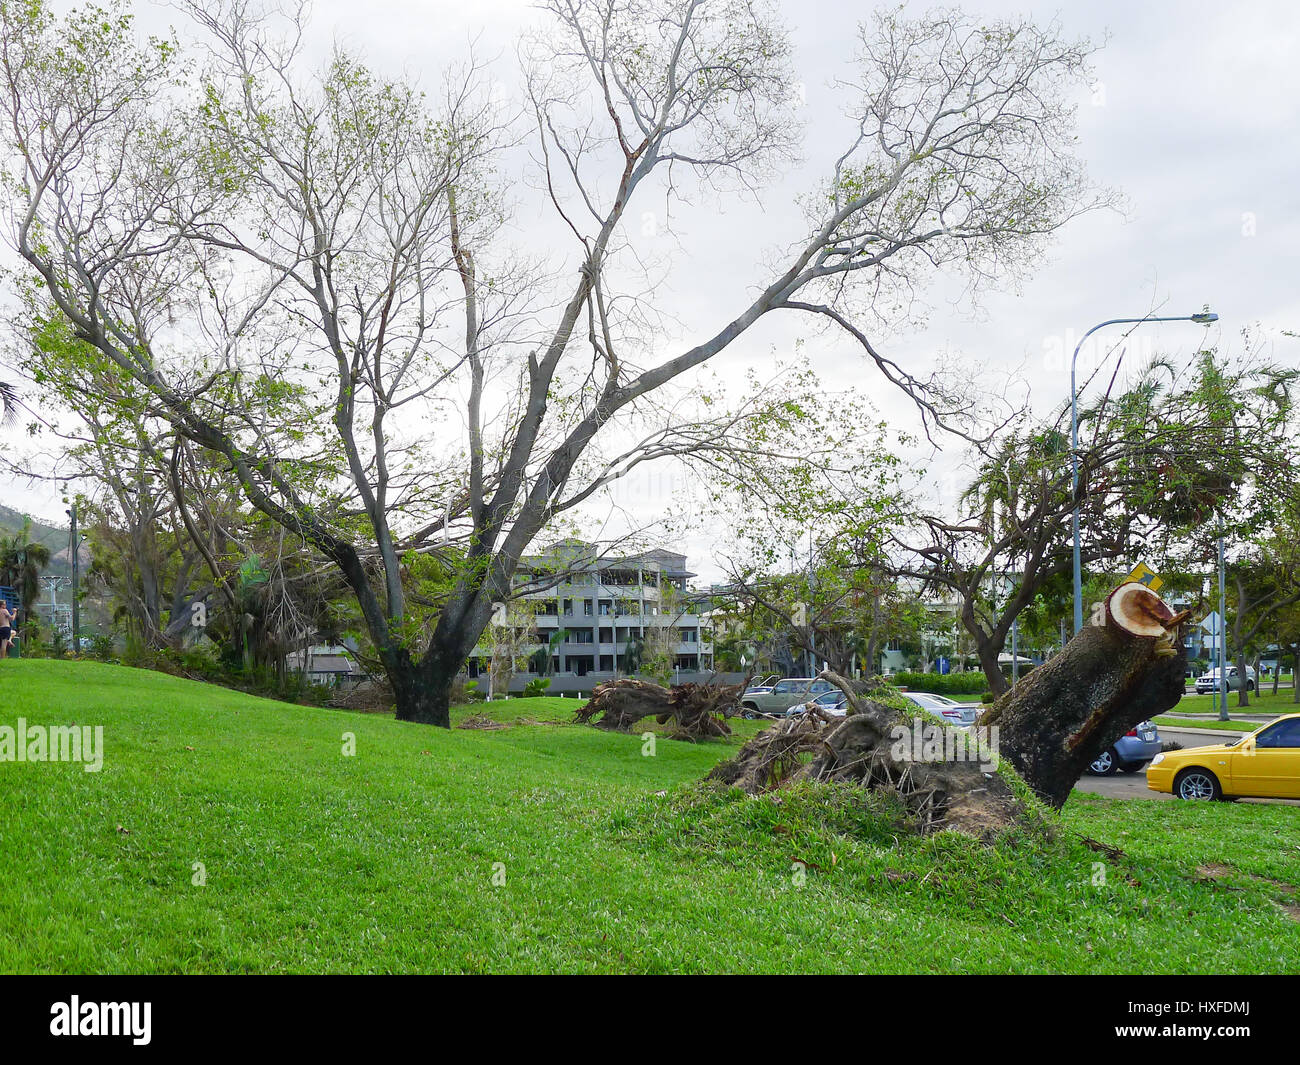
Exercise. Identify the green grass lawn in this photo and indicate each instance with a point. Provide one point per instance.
(606, 859)
(1204, 723)
(1263, 702)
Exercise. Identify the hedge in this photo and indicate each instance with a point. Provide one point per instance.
(971, 682)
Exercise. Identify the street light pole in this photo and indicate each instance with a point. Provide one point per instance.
(1223, 640)
(1204, 318)
(75, 542)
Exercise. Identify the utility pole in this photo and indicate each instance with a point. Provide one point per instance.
(1015, 652)
(812, 636)
(1223, 641)
(75, 550)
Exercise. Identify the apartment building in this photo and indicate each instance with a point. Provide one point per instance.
(594, 612)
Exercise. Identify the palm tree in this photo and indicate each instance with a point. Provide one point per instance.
(8, 402)
(21, 562)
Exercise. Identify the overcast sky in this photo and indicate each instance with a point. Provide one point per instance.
(1193, 117)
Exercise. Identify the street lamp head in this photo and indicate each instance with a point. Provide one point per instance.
(1205, 318)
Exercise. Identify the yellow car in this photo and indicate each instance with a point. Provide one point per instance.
(1265, 764)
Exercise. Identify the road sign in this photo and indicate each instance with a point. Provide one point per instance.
(1211, 623)
(1144, 574)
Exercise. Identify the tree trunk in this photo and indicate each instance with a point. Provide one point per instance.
(988, 656)
(420, 698)
(1110, 676)
(1243, 696)
(1050, 727)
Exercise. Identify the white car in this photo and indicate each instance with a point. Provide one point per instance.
(833, 704)
(962, 715)
(1209, 682)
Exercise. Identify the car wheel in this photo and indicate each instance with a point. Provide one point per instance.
(748, 712)
(1105, 763)
(1197, 784)
(1250, 685)
(1133, 767)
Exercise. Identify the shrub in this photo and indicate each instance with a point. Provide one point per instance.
(969, 683)
(101, 646)
(465, 691)
(537, 686)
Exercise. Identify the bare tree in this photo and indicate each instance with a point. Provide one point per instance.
(306, 270)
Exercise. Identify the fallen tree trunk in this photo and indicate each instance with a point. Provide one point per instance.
(697, 711)
(1126, 666)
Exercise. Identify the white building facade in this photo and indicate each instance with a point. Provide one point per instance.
(597, 613)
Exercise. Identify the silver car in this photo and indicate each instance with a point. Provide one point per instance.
(1131, 751)
(962, 715)
(834, 704)
(782, 695)
(1209, 682)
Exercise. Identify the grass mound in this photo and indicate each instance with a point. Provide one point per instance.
(547, 846)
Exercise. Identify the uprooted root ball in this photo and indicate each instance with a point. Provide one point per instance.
(697, 711)
(878, 748)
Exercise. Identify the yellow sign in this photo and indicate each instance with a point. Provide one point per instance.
(1144, 574)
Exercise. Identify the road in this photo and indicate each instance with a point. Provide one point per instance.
(1134, 785)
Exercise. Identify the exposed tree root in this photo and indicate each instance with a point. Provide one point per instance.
(697, 711)
(882, 748)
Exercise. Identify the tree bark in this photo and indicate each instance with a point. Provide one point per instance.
(988, 651)
(1109, 677)
(420, 698)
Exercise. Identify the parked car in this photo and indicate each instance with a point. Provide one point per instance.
(835, 703)
(960, 714)
(764, 685)
(1209, 682)
(1130, 752)
(782, 695)
(1265, 764)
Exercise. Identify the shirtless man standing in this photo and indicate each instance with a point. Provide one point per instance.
(8, 619)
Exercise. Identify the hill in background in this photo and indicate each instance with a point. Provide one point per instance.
(55, 537)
